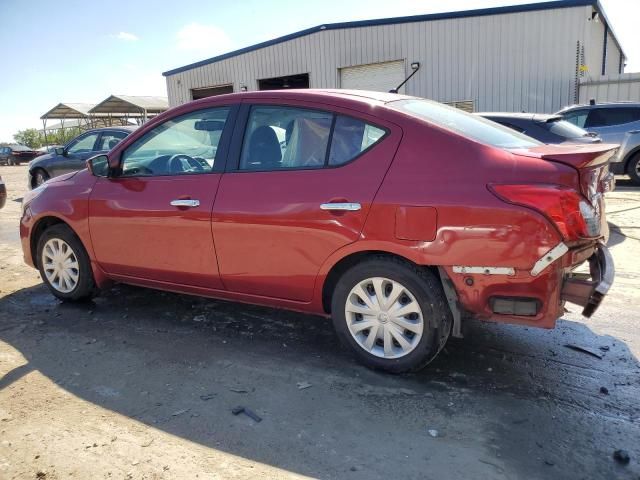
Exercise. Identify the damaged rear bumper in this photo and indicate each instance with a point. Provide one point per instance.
(588, 290)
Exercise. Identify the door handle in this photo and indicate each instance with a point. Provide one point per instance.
(185, 203)
(349, 207)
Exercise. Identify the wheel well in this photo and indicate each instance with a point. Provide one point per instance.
(38, 230)
(33, 173)
(349, 261)
(630, 157)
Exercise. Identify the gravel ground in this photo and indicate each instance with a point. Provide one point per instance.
(140, 384)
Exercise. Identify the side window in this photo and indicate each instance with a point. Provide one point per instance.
(285, 137)
(577, 117)
(83, 145)
(110, 140)
(279, 137)
(603, 117)
(183, 145)
(350, 138)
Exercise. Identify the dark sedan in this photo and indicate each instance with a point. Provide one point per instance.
(73, 156)
(544, 128)
(16, 154)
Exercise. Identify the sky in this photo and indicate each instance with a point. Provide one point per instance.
(84, 51)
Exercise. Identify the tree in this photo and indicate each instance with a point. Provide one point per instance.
(30, 137)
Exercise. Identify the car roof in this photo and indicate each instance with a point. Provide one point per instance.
(536, 117)
(600, 105)
(312, 94)
(122, 128)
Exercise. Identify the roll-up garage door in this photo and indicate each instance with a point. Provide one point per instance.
(380, 77)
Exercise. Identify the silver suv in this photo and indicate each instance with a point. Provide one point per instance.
(614, 123)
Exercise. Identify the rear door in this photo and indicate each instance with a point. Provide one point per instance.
(612, 123)
(299, 187)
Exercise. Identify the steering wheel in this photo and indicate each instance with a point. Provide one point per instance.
(176, 164)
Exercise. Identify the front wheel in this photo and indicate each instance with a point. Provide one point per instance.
(39, 177)
(393, 315)
(633, 169)
(64, 264)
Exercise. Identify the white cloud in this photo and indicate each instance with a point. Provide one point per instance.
(126, 36)
(207, 38)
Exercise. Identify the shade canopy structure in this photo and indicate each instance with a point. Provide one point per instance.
(130, 106)
(69, 110)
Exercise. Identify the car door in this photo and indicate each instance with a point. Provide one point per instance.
(75, 154)
(300, 181)
(152, 219)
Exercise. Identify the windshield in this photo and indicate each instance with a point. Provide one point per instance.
(564, 129)
(463, 123)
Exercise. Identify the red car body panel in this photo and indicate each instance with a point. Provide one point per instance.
(260, 237)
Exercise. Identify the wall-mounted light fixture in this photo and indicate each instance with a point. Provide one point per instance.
(243, 88)
(415, 65)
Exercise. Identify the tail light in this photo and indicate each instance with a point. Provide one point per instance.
(569, 211)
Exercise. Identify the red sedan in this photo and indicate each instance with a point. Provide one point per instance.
(396, 216)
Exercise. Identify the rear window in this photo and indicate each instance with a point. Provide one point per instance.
(466, 124)
(564, 129)
(20, 148)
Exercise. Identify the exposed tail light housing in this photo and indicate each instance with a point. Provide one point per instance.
(570, 212)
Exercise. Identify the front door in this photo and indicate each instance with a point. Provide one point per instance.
(299, 189)
(75, 154)
(153, 220)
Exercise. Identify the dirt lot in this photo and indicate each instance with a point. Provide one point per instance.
(141, 384)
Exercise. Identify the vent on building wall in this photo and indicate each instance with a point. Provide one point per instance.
(466, 105)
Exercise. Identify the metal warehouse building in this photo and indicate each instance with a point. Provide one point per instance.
(516, 58)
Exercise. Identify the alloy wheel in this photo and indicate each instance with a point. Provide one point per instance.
(384, 317)
(60, 265)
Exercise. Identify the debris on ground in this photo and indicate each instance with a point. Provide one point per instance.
(303, 385)
(179, 412)
(200, 318)
(434, 433)
(621, 456)
(604, 390)
(239, 390)
(208, 396)
(604, 348)
(583, 349)
(249, 413)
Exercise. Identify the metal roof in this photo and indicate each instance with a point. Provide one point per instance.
(126, 104)
(530, 7)
(69, 110)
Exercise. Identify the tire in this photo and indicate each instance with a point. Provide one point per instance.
(39, 177)
(10, 162)
(83, 288)
(395, 348)
(633, 169)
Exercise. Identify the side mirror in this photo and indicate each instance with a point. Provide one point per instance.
(98, 166)
(60, 151)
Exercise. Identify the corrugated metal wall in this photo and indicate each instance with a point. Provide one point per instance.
(611, 88)
(509, 62)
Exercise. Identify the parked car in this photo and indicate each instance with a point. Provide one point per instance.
(16, 154)
(614, 123)
(544, 128)
(73, 156)
(394, 215)
(3, 193)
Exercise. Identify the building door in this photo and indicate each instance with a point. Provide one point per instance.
(379, 77)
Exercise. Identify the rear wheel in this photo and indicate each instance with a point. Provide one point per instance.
(11, 161)
(64, 264)
(633, 169)
(393, 315)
